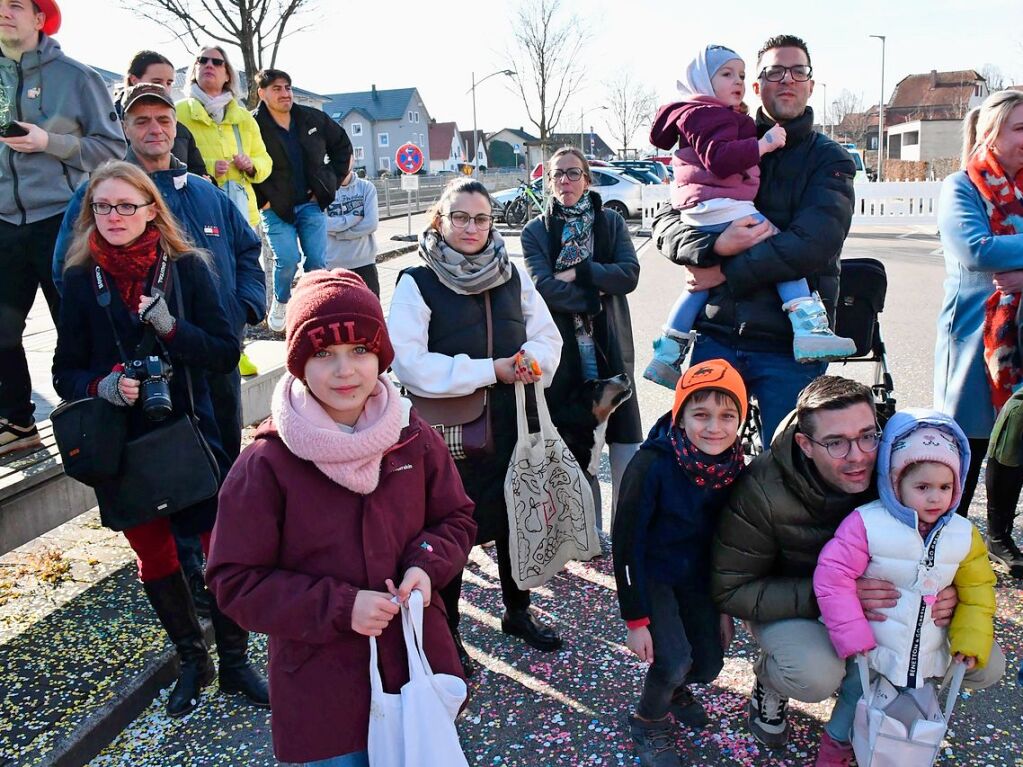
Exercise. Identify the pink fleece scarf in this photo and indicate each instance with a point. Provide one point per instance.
(351, 460)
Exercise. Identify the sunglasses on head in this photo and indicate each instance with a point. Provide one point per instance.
(210, 60)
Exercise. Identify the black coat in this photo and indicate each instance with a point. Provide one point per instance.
(326, 149)
(601, 287)
(203, 340)
(806, 190)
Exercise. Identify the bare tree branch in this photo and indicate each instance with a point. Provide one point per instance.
(545, 52)
(255, 27)
(631, 105)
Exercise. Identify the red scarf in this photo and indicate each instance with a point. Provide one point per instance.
(1003, 200)
(127, 265)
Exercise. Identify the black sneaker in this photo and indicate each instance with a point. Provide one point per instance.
(767, 722)
(654, 742)
(687, 710)
(14, 437)
(1006, 556)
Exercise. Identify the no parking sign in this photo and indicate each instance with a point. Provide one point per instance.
(409, 158)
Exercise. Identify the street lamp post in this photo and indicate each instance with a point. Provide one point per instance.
(880, 116)
(582, 129)
(475, 134)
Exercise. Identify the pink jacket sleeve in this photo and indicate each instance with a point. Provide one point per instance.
(844, 559)
(713, 132)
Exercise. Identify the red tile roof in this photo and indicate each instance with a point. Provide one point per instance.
(440, 140)
(933, 96)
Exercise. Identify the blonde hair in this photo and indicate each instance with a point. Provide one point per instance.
(568, 150)
(173, 241)
(983, 124)
(232, 75)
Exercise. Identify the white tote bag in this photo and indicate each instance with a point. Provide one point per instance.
(901, 728)
(550, 504)
(415, 727)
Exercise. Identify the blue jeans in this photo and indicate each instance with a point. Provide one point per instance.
(774, 378)
(355, 759)
(687, 308)
(588, 357)
(309, 229)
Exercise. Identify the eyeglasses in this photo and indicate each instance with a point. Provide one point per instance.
(122, 208)
(460, 219)
(840, 447)
(800, 73)
(573, 174)
(210, 60)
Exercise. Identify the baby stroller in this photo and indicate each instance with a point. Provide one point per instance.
(861, 295)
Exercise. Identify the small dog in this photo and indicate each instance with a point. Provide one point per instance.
(582, 419)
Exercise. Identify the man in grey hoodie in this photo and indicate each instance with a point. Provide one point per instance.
(351, 220)
(57, 124)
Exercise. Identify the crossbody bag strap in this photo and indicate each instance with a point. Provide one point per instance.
(181, 315)
(490, 324)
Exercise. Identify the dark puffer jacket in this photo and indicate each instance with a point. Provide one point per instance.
(806, 190)
(777, 519)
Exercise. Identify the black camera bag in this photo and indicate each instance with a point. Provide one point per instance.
(90, 436)
(168, 468)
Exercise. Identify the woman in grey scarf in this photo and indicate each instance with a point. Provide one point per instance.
(465, 326)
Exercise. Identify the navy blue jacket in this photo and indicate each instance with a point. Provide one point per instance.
(203, 340)
(663, 526)
(213, 223)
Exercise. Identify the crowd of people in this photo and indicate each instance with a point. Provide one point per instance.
(846, 538)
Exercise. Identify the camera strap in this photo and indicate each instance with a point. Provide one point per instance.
(157, 287)
(188, 371)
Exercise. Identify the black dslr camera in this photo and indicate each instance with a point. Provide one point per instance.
(152, 373)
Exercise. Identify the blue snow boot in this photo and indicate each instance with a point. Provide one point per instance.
(670, 352)
(812, 338)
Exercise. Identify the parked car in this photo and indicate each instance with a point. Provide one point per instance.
(651, 166)
(862, 172)
(642, 175)
(620, 192)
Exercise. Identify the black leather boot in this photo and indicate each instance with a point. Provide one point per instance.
(172, 602)
(1003, 490)
(522, 623)
(236, 674)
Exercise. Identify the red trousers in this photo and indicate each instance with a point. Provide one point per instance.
(154, 547)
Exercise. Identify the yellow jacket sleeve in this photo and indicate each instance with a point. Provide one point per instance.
(972, 629)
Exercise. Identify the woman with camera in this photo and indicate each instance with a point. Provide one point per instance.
(140, 321)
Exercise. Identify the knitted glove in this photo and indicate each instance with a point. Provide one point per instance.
(158, 315)
(108, 389)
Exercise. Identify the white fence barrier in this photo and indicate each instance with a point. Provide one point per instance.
(888, 203)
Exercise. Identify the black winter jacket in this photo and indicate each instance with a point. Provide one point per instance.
(664, 525)
(325, 147)
(601, 289)
(806, 190)
(777, 519)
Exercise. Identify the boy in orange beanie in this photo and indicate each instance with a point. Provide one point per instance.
(671, 495)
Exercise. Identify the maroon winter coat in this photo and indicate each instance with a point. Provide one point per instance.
(291, 549)
(718, 153)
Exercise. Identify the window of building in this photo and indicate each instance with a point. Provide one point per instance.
(872, 142)
(416, 116)
(422, 140)
(912, 138)
(356, 129)
(360, 153)
(385, 163)
(410, 116)
(383, 139)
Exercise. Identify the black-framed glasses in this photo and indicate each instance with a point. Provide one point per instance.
(573, 174)
(122, 208)
(460, 219)
(775, 74)
(840, 447)
(210, 60)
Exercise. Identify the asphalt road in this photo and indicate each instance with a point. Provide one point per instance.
(530, 709)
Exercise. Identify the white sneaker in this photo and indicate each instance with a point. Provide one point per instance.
(275, 319)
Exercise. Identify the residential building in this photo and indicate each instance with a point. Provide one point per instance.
(475, 148)
(925, 113)
(447, 151)
(594, 147)
(380, 121)
(508, 141)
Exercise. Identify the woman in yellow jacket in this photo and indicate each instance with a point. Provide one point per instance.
(211, 114)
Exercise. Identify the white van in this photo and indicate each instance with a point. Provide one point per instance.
(857, 158)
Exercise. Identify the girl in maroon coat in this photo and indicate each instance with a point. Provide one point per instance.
(717, 175)
(345, 499)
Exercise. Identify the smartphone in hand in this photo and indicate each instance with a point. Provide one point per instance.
(13, 130)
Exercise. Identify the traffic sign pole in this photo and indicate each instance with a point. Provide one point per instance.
(409, 159)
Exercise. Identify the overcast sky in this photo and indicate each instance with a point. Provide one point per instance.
(435, 46)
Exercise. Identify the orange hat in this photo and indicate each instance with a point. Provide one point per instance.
(712, 374)
(52, 11)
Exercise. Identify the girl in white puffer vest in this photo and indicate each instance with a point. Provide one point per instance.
(913, 538)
